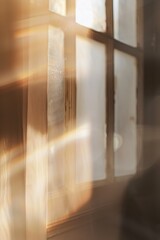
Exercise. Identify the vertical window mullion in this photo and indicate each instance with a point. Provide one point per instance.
(109, 17)
(110, 91)
(70, 84)
(71, 9)
(140, 4)
(140, 87)
(70, 92)
(110, 110)
(140, 76)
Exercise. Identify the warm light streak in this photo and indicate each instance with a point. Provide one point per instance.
(35, 169)
(80, 133)
(18, 159)
(5, 199)
(15, 159)
(13, 162)
(22, 72)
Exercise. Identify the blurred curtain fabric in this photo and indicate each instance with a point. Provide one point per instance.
(23, 142)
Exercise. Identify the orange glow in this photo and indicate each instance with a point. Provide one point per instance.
(70, 196)
(80, 133)
(16, 161)
(5, 200)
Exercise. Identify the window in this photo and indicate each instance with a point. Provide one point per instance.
(71, 97)
(94, 97)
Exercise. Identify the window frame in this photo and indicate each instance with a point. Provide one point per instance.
(35, 98)
(111, 43)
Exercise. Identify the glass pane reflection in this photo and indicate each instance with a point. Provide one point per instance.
(125, 113)
(92, 14)
(55, 107)
(91, 110)
(125, 21)
(58, 6)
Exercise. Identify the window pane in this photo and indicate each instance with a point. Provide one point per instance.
(58, 6)
(91, 13)
(55, 107)
(125, 21)
(91, 110)
(125, 114)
